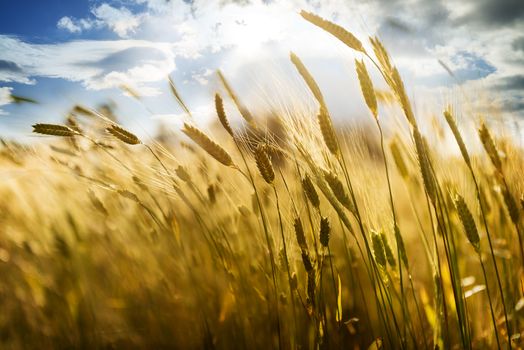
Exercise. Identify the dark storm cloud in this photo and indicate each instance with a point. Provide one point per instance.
(518, 44)
(515, 106)
(413, 27)
(495, 12)
(10, 66)
(515, 82)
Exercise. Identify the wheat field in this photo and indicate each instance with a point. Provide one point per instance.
(291, 232)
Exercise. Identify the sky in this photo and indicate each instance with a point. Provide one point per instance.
(62, 52)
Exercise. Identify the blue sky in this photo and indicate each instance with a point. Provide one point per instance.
(66, 52)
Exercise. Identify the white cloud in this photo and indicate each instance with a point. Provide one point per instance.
(119, 20)
(67, 24)
(96, 64)
(202, 77)
(5, 98)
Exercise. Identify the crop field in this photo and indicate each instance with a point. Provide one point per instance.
(288, 231)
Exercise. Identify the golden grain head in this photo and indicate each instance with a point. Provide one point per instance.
(308, 79)
(221, 113)
(458, 137)
(79, 109)
(338, 189)
(511, 206)
(299, 233)
(208, 145)
(378, 249)
(382, 56)
(468, 222)
(398, 159)
(310, 191)
(325, 230)
(489, 146)
(337, 31)
(327, 131)
(264, 163)
(53, 129)
(367, 88)
(390, 257)
(425, 165)
(123, 135)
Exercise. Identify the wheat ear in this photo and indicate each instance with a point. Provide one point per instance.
(264, 163)
(221, 113)
(123, 135)
(335, 30)
(53, 129)
(367, 87)
(208, 145)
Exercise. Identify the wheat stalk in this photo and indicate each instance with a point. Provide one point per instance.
(307, 262)
(401, 247)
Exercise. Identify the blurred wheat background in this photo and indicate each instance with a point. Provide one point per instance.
(290, 230)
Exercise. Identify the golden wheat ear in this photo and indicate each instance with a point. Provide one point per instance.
(335, 30)
(328, 132)
(324, 231)
(311, 192)
(489, 146)
(53, 129)
(79, 109)
(208, 145)
(367, 87)
(466, 218)
(123, 135)
(264, 163)
(378, 249)
(244, 112)
(299, 233)
(456, 133)
(308, 78)
(221, 113)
